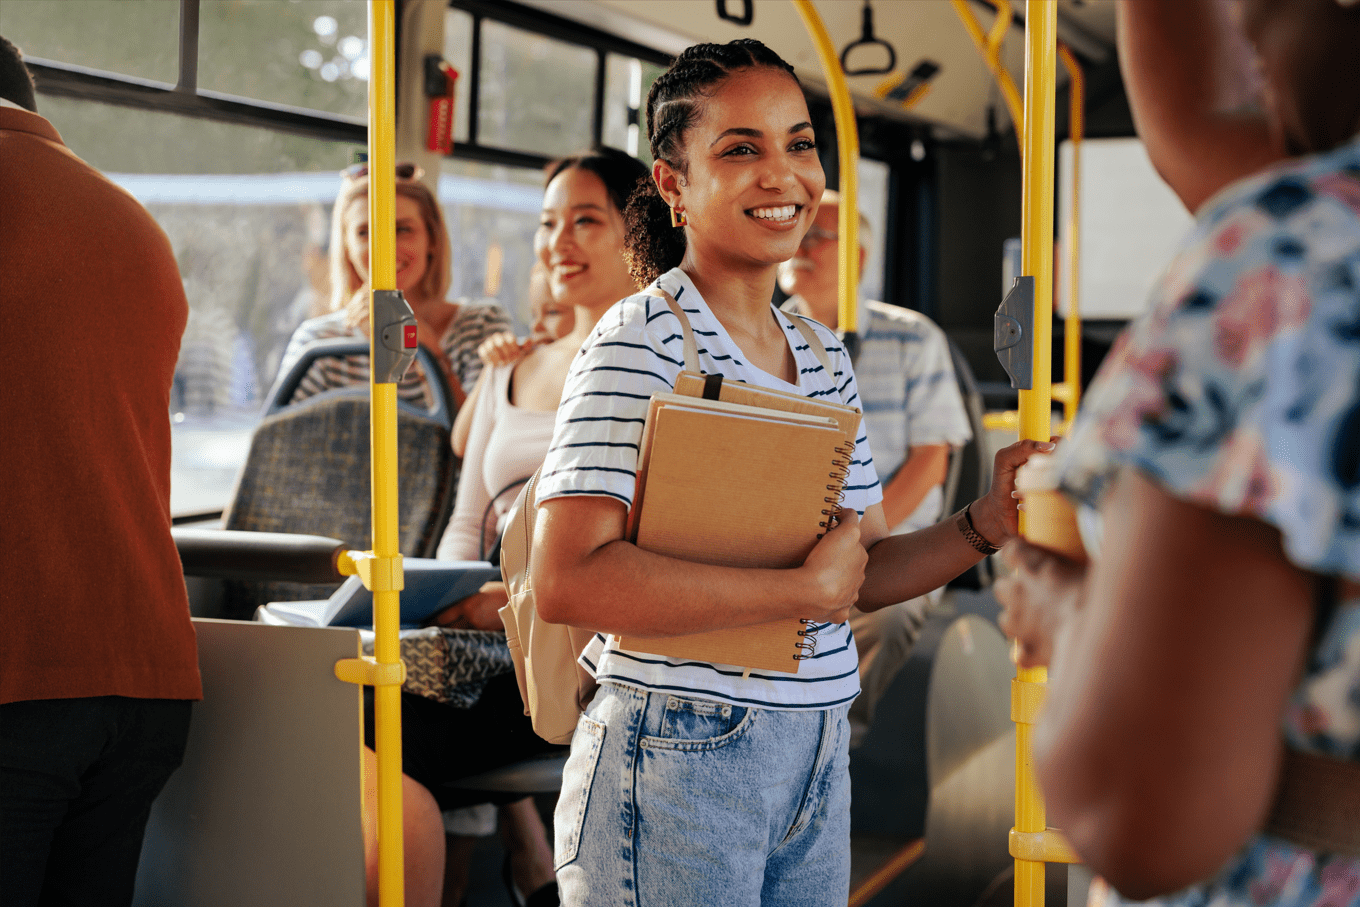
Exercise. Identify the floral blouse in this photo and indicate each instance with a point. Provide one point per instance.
(1240, 391)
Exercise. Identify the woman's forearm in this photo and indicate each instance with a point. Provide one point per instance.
(584, 574)
(905, 566)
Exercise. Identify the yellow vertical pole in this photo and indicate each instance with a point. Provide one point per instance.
(1072, 340)
(847, 143)
(1036, 251)
(383, 426)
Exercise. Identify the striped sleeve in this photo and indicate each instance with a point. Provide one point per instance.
(604, 402)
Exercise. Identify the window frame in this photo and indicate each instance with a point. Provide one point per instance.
(557, 29)
(185, 97)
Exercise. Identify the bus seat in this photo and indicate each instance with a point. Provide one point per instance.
(970, 468)
(265, 809)
(308, 472)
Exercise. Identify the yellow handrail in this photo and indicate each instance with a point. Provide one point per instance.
(989, 45)
(1076, 130)
(1031, 840)
(847, 143)
(381, 569)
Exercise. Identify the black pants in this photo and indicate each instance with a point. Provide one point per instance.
(440, 743)
(77, 779)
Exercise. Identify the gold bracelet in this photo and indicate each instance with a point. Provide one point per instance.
(965, 523)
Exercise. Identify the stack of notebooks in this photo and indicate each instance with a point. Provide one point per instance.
(743, 476)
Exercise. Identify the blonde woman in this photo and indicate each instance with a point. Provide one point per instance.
(454, 330)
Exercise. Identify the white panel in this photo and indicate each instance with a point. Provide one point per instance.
(265, 809)
(1131, 225)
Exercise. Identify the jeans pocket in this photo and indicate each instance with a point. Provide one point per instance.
(578, 777)
(699, 724)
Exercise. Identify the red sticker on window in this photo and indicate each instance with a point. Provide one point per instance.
(409, 336)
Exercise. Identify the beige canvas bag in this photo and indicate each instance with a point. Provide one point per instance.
(555, 689)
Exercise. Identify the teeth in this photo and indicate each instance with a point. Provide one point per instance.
(568, 270)
(784, 212)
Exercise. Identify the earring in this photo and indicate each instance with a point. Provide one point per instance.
(678, 218)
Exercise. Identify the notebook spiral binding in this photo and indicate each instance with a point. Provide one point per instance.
(840, 471)
(807, 645)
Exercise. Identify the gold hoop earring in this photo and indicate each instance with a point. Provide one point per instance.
(678, 218)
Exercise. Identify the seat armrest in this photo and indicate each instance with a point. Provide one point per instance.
(237, 554)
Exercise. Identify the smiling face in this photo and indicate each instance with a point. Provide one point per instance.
(750, 180)
(413, 250)
(580, 242)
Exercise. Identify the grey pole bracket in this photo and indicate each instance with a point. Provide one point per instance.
(397, 336)
(1013, 338)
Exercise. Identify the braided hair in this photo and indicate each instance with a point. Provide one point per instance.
(674, 103)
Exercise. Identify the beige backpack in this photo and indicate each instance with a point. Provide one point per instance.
(555, 689)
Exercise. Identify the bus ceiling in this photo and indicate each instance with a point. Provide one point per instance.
(929, 42)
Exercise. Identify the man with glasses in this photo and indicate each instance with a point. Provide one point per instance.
(914, 416)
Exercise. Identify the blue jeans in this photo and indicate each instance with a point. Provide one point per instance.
(668, 801)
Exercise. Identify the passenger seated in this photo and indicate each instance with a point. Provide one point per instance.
(423, 261)
(580, 243)
(914, 418)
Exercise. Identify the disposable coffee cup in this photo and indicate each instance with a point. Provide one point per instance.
(1050, 516)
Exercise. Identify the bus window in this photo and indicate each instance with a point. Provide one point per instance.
(312, 55)
(873, 204)
(492, 207)
(242, 207)
(79, 32)
(536, 94)
(626, 83)
(458, 52)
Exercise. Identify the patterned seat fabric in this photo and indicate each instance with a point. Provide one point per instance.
(308, 471)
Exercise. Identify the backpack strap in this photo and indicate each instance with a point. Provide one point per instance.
(814, 343)
(692, 350)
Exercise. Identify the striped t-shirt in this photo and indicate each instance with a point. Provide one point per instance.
(634, 351)
(472, 324)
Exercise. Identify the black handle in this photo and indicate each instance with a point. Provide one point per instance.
(866, 38)
(744, 19)
(236, 554)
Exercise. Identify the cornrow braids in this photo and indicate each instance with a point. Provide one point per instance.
(674, 102)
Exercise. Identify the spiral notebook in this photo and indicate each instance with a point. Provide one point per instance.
(745, 486)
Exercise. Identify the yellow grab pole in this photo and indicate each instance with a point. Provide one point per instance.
(382, 570)
(1071, 396)
(989, 45)
(1036, 252)
(847, 142)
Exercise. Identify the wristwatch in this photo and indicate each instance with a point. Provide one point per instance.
(965, 523)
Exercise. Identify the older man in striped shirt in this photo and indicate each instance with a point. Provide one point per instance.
(914, 416)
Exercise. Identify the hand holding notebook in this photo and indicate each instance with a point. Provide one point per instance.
(775, 474)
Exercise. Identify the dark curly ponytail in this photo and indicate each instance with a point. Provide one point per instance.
(652, 245)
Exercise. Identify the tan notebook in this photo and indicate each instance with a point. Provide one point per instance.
(735, 485)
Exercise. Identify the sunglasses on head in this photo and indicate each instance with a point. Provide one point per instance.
(405, 172)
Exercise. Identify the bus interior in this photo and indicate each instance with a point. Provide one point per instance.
(230, 120)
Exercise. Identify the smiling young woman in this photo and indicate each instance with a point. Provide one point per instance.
(660, 801)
